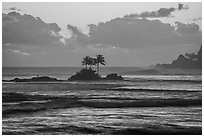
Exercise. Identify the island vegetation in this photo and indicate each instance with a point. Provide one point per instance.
(88, 73)
(93, 62)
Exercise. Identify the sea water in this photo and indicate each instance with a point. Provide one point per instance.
(142, 104)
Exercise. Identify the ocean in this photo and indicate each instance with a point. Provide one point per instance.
(141, 104)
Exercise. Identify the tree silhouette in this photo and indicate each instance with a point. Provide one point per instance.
(88, 61)
(99, 60)
(85, 61)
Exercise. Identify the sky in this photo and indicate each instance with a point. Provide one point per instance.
(127, 34)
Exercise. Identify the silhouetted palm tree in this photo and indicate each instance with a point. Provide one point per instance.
(88, 61)
(85, 61)
(99, 60)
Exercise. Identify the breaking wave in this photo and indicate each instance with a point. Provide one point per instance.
(17, 103)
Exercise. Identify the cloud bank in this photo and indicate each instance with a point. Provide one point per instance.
(162, 12)
(128, 41)
(139, 33)
(28, 30)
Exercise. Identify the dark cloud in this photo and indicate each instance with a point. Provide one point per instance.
(119, 32)
(187, 28)
(139, 33)
(197, 19)
(14, 9)
(28, 30)
(162, 12)
(182, 7)
(73, 29)
(8, 19)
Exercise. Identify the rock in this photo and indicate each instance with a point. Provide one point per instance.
(85, 74)
(19, 80)
(35, 79)
(113, 76)
(44, 78)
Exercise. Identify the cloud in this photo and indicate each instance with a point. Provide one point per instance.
(28, 30)
(138, 33)
(182, 7)
(14, 9)
(196, 19)
(162, 12)
(187, 28)
(132, 41)
(19, 52)
(8, 19)
(77, 35)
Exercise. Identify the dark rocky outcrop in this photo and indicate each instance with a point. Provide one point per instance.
(113, 76)
(33, 79)
(85, 74)
(88, 74)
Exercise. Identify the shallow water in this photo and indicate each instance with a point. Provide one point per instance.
(140, 105)
(103, 121)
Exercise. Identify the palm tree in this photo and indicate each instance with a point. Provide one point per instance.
(88, 61)
(85, 61)
(99, 60)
